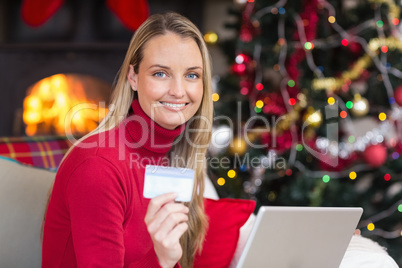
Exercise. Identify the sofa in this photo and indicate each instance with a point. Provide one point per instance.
(27, 170)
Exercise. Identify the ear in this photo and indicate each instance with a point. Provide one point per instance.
(132, 78)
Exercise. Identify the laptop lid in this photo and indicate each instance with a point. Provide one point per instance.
(299, 237)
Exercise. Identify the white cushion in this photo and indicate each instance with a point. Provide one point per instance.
(209, 191)
(365, 253)
(23, 192)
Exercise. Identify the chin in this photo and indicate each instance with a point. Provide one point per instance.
(171, 122)
(169, 125)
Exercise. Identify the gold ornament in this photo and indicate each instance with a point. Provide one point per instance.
(291, 117)
(360, 106)
(255, 133)
(312, 117)
(238, 146)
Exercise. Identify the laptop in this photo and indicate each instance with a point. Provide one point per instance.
(299, 237)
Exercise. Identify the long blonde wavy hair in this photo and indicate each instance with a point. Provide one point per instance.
(156, 25)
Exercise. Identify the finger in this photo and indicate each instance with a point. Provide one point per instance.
(164, 211)
(173, 236)
(157, 202)
(168, 225)
(160, 216)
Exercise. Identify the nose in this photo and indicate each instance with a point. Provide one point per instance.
(177, 88)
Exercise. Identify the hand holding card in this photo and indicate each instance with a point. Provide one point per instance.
(161, 179)
(166, 222)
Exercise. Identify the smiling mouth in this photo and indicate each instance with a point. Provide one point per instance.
(173, 105)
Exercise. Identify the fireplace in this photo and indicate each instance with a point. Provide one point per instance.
(65, 103)
(83, 38)
(21, 66)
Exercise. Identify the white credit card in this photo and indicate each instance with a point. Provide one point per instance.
(161, 180)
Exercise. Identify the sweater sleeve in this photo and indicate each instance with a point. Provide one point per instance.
(96, 196)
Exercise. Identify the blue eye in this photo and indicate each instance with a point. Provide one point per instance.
(160, 74)
(192, 76)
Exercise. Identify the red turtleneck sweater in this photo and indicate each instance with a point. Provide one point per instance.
(96, 211)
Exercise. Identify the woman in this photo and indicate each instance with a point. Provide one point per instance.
(97, 216)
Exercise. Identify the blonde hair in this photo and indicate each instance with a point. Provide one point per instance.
(156, 25)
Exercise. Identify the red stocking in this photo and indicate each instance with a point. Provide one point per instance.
(131, 12)
(37, 12)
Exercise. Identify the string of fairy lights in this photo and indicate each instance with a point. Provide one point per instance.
(358, 105)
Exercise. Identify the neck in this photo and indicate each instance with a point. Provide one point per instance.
(147, 134)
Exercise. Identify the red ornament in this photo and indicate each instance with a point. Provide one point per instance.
(280, 143)
(398, 95)
(355, 47)
(247, 30)
(326, 162)
(274, 104)
(375, 155)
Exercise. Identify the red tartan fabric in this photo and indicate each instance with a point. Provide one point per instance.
(43, 152)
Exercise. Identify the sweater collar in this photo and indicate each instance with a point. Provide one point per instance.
(146, 133)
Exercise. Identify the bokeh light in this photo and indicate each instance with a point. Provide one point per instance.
(231, 173)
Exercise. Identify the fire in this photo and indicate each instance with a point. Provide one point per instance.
(58, 105)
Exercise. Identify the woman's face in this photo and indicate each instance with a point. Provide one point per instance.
(169, 80)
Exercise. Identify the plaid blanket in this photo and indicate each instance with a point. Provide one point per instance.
(43, 152)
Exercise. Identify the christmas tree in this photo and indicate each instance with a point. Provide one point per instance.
(310, 112)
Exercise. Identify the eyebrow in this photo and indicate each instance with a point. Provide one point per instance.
(166, 67)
